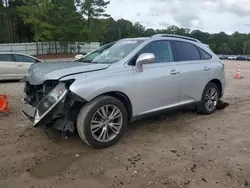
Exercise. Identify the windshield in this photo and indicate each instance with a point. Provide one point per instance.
(113, 52)
(89, 57)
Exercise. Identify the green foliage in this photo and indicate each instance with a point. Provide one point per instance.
(224, 49)
(67, 22)
(37, 13)
(246, 47)
(86, 20)
(93, 9)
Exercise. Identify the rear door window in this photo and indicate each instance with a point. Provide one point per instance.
(23, 58)
(186, 51)
(6, 57)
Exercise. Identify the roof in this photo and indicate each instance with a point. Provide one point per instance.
(176, 36)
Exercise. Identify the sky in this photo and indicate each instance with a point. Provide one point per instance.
(207, 15)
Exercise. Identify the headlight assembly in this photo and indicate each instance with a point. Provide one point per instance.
(49, 101)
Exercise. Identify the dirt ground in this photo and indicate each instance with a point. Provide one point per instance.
(55, 56)
(183, 149)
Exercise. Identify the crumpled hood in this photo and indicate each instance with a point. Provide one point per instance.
(40, 72)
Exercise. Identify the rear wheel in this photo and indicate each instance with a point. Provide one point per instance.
(102, 122)
(210, 98)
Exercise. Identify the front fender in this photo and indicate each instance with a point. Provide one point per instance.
(90, 90)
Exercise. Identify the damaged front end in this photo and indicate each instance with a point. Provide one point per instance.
(52, 104)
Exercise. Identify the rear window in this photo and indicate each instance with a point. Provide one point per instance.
(5, 57)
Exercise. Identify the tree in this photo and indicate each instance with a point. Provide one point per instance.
(94, 9)
(37, 13)
(246, 47)
(124, 28)
(66, 27)
(11, 24)
(204, 37)
(149, 32)
(138, 30)
(53, 20)
(224, 49)
(86, 20)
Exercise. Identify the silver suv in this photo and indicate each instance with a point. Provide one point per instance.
(98, 95)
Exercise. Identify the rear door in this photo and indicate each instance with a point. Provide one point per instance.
(8, 69)
(195, 70)
(23, 63)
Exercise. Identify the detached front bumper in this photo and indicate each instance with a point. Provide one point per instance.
(49, 108)
(28, 111)
(56, 118)
(58, 108)
(55, 112)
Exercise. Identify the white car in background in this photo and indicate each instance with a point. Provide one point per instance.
(79, 56)
(94, 52)
(234, 57)
(14, 66)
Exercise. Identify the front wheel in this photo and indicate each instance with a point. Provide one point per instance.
(102, 122)
(210, 98)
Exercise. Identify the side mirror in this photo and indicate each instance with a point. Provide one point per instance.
(145, 58)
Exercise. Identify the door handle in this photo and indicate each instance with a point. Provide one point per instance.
(206, 69)
(20, 65)
(174, 72)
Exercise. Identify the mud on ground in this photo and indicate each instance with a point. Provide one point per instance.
(182, 149)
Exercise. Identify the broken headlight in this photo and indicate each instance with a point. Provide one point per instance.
(49, 101)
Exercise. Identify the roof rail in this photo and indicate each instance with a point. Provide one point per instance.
(177, 36)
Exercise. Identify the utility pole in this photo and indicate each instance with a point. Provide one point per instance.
(120, 33)
(244, 51)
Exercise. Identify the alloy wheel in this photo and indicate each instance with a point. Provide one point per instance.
(106, 123)
(211, 99)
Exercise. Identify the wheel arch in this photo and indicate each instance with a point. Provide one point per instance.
(218, 83)
(123, 98)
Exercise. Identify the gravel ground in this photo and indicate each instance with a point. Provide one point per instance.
(181, 149)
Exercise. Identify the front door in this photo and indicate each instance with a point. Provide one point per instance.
(158, 85)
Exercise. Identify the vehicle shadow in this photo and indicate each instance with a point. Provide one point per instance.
(169, 117)
(168, 121)
(9, 81)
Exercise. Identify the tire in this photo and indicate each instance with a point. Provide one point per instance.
(89, 112)
(202, 108)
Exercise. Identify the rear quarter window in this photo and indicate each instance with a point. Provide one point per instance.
(205, 55)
